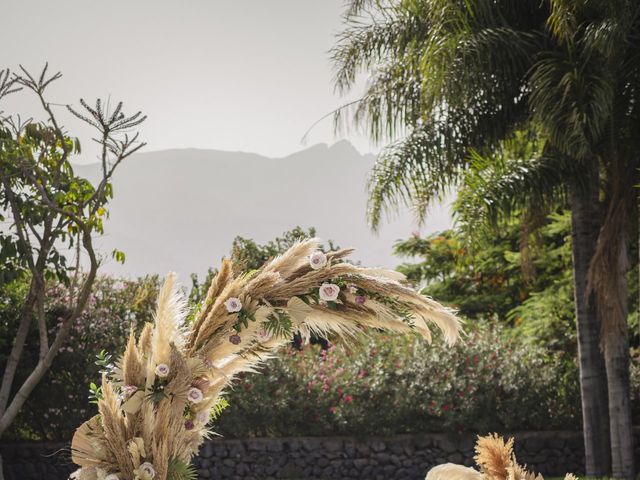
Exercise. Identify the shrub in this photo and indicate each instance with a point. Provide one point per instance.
(59, 403)
(495, 381)
(402, 385)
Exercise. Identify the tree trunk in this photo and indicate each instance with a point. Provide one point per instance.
(26, 317)
(586, 222)
(616, 353)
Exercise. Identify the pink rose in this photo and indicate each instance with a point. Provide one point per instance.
(264, 335)
(195, 395)
(317, 260)
(162, 370)
(329, 292)
(233, 305)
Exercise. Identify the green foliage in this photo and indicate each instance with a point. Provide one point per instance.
(95, 393)
(248, 255)
(179, 470)
(497, 379)
(59, 404)
(503, 272)
(387, 385)
(220, 406)
(51, 211)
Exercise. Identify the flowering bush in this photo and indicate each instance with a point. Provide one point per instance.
(59, 403)
(386, 385)
(401, 385)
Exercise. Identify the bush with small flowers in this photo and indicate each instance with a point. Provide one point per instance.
(391, 385)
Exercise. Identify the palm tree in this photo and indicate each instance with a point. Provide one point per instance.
(450, 77)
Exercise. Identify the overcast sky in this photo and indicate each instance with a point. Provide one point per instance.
(248, 75)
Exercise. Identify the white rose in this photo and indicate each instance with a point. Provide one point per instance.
(317, 260)
(147, 468)
(112, 476)
(329, 292)
(162, 370)
(233, 305)
(202, 417)
(195, 395)
(264, 335)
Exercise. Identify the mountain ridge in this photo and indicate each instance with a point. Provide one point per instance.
(180, 209)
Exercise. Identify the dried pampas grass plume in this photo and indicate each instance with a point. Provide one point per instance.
(496, 460)
(157, 401)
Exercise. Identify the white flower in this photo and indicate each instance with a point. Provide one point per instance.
(113, 476)
(202, 416)
(162, 370)
(195, 395)
(147, 468)
(329, 292)
(352, 288)
(317, 260)
(233, 305)
(264, 335)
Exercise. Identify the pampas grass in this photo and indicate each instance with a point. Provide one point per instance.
(496, 460)
(157, 401)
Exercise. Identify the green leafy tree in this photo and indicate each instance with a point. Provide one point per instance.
(48, 209)
(248, 255)
(453, 78)
(497, 275)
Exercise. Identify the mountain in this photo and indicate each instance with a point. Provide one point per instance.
(180, 209)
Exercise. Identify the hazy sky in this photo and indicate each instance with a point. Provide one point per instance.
(249, 75)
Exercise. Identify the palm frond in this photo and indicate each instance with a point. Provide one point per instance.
(523, 175)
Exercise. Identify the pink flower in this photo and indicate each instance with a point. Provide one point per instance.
(352, 288)
(317, 260)
(333, 410)
(348, 399)
(264, 335)
(202, 416)
(329, 292)
(162, 370)
(233, 305)
(235, 339)
(188, 425)
(360, 299)
(195, 395)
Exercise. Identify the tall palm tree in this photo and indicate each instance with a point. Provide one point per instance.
(449, 77)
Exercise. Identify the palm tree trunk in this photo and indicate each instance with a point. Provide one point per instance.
(616, 353)
(586, 222)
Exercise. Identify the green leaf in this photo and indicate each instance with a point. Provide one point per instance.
(179, 470)
(118, 255)
(218, 407)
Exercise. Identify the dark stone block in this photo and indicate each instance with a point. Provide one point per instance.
(204, 473)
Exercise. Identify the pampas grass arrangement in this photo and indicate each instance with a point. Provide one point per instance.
(496, 460)
(156, 402)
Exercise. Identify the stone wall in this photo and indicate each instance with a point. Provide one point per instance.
(406, 457)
